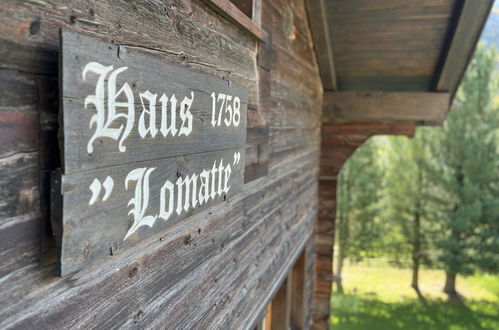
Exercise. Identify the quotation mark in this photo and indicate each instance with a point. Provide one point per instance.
(237, 158)
(96, 188)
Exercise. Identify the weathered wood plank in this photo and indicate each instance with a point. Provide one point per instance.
(19, 182)
(157, 281)
(177, 30)
(290, 70)
(228, 9)
(281, 313)
(318, 18)
(384, 83)
(85, 148)
(287, 139)
(467, 32)
(92, 286)
(290, 31)
(18, 91)
(388, 45)
(19, 242)
(96, 220)
(309, 282)
(257, 133)
(386, 10)
(18, 132)
(379, 106)
(298, 306)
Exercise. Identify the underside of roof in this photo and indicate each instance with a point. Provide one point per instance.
(395, 45)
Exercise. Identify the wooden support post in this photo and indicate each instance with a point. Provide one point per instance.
(298, 293)
(281, 306)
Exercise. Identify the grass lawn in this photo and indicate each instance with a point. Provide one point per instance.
(378, 296)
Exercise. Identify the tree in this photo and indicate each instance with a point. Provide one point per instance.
(406, 199)
(358, 207)
(465, 173)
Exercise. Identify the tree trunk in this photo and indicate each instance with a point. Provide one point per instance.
(342, 229)
(416, 252)
(455, 234)
(415, 274)
(416, 242)
(339, 268)
(341, 250)
(450, 285)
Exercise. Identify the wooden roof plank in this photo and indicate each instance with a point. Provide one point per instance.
(472, 18)
(322, 41)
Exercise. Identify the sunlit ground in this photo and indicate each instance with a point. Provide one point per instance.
(378, 296)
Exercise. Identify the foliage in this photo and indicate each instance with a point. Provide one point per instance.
(358, 203)
(378, 297)
(432, 199)
(407, 196)
(465, 171)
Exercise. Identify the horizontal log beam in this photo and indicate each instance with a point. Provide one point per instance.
(389, 106)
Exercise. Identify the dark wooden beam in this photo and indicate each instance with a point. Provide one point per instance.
(385, 106)
(298, 293)
(230, 11)
(472, 18)
(317, 17)
(257, 12)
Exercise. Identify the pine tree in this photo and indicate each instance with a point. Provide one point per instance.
(358, 207)
(465, 174)
(406, 199)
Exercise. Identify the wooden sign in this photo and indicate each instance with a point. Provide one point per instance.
(145, 144)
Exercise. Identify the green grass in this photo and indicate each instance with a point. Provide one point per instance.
(379, 297)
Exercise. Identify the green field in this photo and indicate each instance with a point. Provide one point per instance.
(377, 296)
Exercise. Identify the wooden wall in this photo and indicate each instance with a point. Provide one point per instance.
(217, 269)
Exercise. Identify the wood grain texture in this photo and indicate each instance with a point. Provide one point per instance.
(86, 236)
(281, 306)
(387, 45)
(93, 231)
(297, 317)
(240, 16)
(386, 106)
(471, 21)
(239, 251)
(319, 25)
(144, 72)
(220, 260)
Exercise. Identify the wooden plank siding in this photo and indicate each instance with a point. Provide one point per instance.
(216, 269)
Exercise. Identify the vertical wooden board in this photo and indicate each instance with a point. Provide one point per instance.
(281, 307)
(298, 293)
